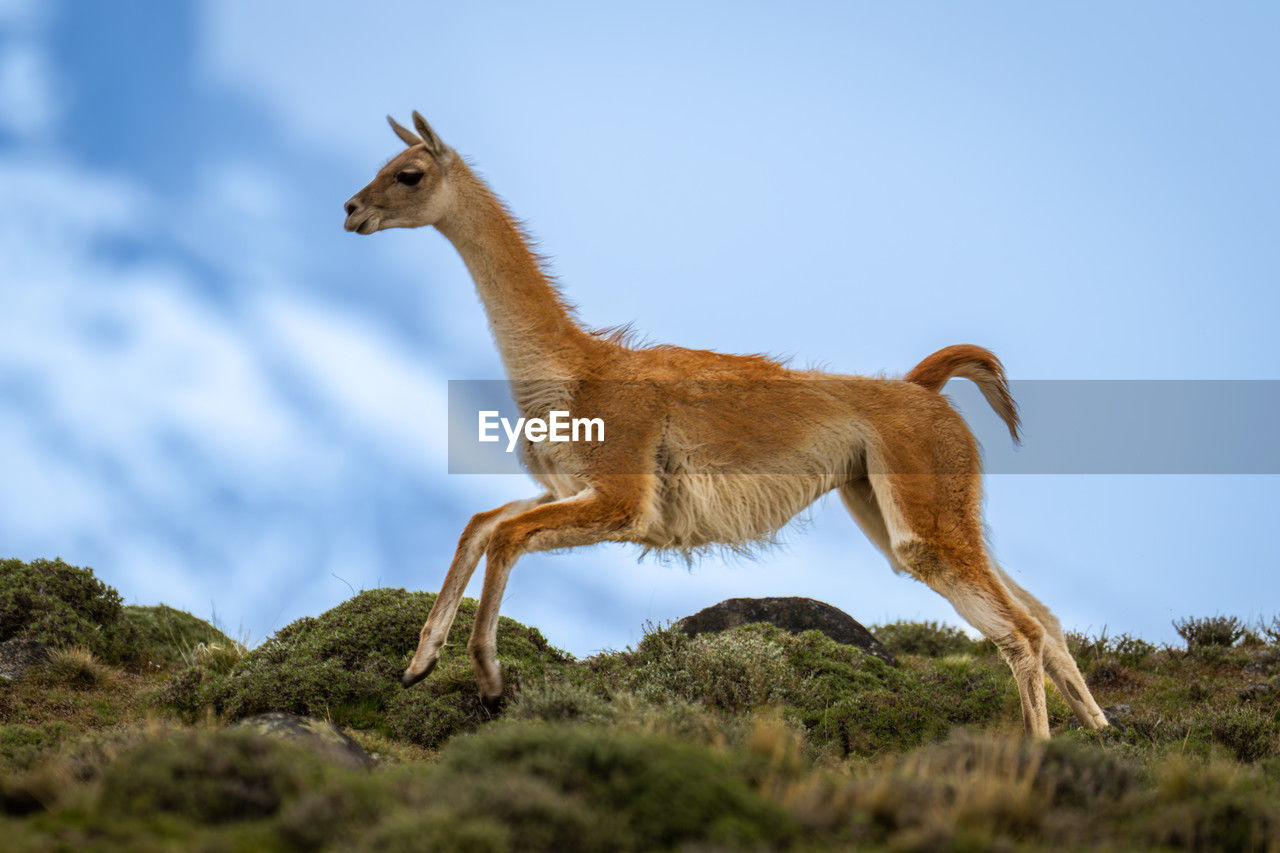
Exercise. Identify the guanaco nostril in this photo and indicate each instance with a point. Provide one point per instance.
(350, 207)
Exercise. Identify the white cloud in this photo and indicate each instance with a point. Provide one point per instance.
(28, 105)
(369, 382)
(30, 101)
(155, 432)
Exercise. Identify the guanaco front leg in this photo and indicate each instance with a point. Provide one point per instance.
(584, 519)
(474, 539)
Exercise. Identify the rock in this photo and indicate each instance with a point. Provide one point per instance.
(1118, 717)
(792, 614)
(18, 656)
(325, 738)
(1118, 713)
(1263, 661)
(1255, 692)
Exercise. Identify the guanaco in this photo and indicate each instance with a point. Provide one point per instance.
(707, 449)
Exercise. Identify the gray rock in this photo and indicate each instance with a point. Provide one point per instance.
(1118, 717)
(18, 656)
(1118, 713)
(325, 738)
(1255, 692)
(790, 614)
(1263, 661)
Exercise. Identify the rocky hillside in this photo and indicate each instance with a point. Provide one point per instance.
(145, 728)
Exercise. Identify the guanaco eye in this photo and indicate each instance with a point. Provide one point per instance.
(409, 179)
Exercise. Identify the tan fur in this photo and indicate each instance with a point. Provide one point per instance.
(977, 364)
(705, 449)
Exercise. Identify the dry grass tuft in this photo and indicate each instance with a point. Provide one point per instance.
(79, 667)
(220, 657)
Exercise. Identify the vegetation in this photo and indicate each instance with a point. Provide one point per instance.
(745, 740)
(167, 637)
(1213, 632)
(345, 666)
(62, 605)
(931, 639)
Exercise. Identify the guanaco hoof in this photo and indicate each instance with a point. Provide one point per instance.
(410, 678)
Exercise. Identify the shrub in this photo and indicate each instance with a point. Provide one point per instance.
(531, 785)
(345, 665)
(1131, 651)
(1079, 774)
(491, 812)
(20, 744)
(63, 605)
(347, 807)
(1249, 733)
(207, 777)
(1209, 632)
(733, 671)
(1209, 806)
(1271, 630)
(845, 699)
(975, 791)
(931, 639)
(589, 788)
(560, 701)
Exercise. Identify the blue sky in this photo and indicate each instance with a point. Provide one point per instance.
(218, 399)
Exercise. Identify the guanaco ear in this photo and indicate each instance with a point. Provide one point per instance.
(403, 132)
(438, 149)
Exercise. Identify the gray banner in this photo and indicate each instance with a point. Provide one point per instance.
(1069, 426)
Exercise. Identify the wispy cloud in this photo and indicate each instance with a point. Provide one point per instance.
(27, 103)
(29, 98)
(160, 431)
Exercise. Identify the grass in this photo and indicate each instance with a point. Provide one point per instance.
(168, 637)
(745, 740)
(79, 668)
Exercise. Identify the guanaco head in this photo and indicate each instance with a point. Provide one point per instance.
(412, 190)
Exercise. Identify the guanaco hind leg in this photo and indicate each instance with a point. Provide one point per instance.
(934, 533)
(959, 568)
(1058, 661)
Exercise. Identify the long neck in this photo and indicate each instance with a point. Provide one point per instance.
(536, 335)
